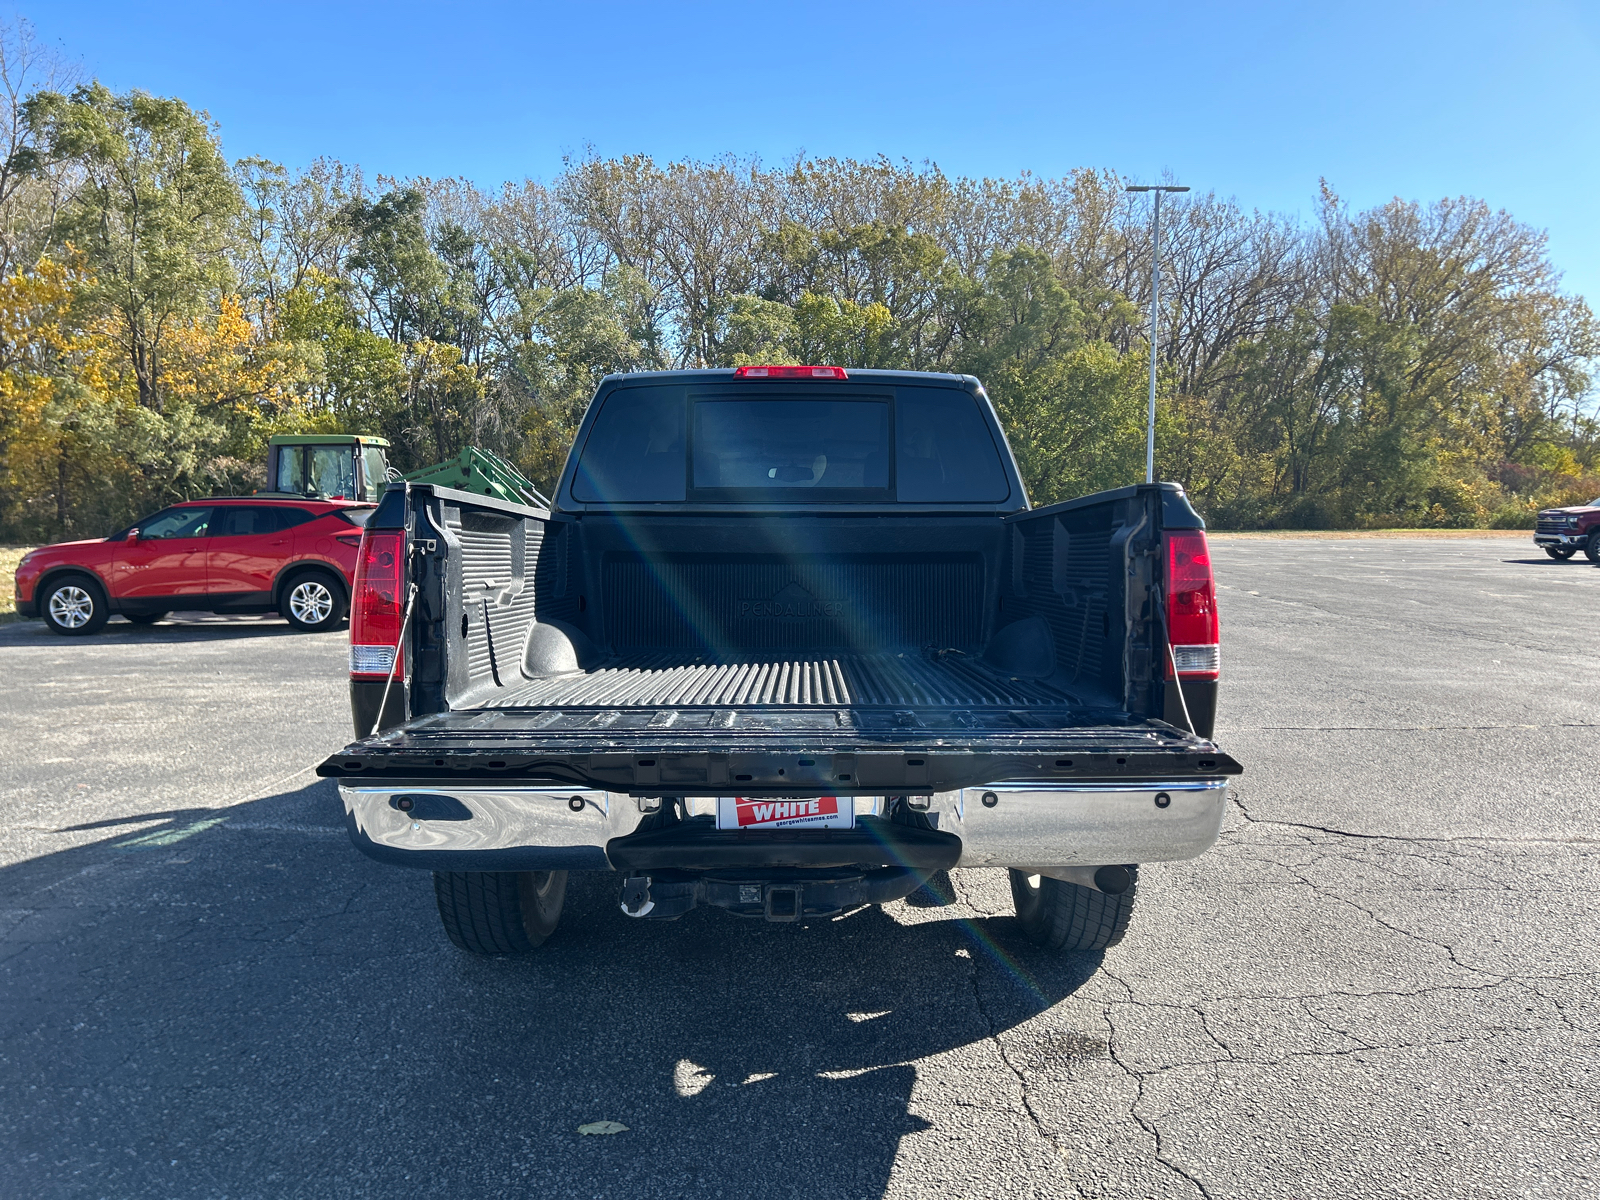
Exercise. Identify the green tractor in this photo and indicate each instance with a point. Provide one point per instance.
(353, 466)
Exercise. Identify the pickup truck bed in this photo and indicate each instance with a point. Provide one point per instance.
(582, 687)
(535, 693)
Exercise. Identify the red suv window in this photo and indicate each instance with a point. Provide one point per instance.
(244, 520)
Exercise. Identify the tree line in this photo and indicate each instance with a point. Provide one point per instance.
(164, 310)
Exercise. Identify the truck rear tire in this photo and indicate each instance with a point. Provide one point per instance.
(499, 912)
(1068, 917)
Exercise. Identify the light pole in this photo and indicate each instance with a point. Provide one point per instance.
(1155, 301)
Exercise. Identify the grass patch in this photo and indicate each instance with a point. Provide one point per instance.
(10, 556)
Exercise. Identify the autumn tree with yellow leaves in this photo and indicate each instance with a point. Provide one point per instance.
(162, 313)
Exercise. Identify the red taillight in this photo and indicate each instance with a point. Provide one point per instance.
(376, 605)
(773, 372)
(1192, 627)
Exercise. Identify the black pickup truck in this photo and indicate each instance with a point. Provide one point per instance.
(789, 640)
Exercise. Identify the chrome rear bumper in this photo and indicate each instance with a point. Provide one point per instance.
(1003, 825)
(1092, 825)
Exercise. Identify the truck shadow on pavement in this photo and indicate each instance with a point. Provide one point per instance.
(233, 1001)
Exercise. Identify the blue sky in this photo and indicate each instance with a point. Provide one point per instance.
(1256, 101)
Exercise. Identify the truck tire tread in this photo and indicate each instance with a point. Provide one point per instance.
(1069, 917)
(486, 912)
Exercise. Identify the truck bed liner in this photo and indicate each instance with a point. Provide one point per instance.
(947, 678)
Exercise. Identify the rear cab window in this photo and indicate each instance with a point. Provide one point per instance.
(771, 449)
(635, 448)
(773, 443)
(944, 450)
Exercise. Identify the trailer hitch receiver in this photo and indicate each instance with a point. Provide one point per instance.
(783, 903)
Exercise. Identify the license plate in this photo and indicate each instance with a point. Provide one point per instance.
(814, 812)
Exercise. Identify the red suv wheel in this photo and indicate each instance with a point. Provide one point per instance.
(74, 606)
(312, 602)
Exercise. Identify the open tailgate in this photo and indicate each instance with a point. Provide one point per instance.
(778, 751)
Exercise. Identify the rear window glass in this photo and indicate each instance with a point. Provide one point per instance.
(938, 441)
(785, 444)
(635, 449)
(356, 516)
(943, 448)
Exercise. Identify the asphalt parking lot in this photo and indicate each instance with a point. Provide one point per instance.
(1380, 983)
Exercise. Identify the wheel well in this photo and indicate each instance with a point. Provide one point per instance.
(55, 574)
(294, 570)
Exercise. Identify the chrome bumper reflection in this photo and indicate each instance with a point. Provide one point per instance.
(1029, 824)
(1022, 825)
(483, 829)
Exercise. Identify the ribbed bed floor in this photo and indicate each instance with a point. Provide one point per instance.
(856, 680)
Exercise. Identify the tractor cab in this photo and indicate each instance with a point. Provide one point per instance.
(331, 466)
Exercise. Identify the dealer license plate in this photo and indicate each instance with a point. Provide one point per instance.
(814, 812)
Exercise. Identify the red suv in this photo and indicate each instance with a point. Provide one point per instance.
(243, 554)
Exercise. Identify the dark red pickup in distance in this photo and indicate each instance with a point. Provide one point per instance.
(1562, 532)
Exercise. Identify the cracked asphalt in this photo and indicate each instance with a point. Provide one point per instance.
(1379, 983)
